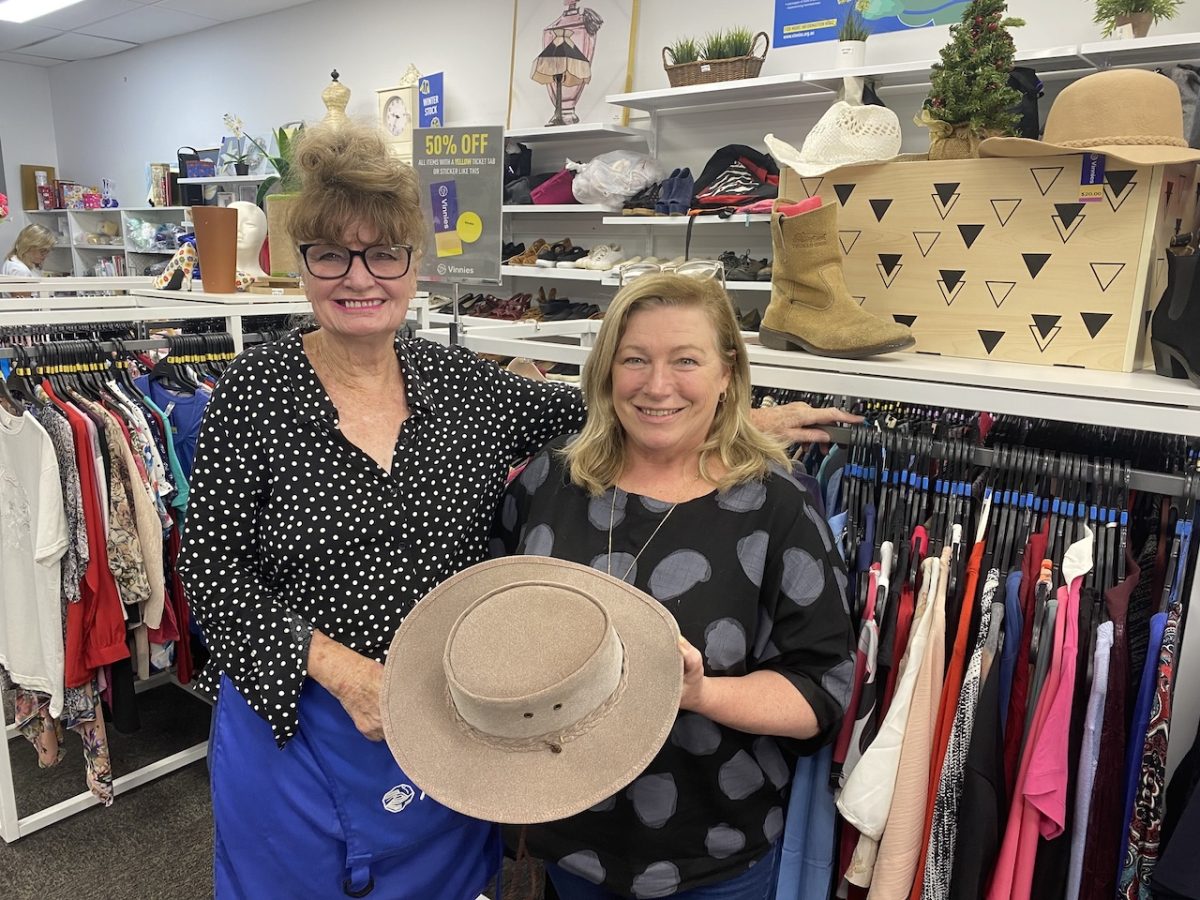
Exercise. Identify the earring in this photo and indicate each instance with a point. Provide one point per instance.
(721, 399)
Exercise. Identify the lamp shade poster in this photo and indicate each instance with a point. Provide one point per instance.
(810, 21)
(567, 56)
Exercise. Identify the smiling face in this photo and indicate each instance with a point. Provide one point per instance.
(667, 379)
(358, 305)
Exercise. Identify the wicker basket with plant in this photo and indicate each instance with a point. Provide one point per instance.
(721, 56)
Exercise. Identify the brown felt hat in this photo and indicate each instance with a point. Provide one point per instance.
(529, 689)
(1132, 115)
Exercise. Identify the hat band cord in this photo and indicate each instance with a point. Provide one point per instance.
(1127, 140)
(551, 740)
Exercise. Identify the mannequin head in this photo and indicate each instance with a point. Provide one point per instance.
(251, 232)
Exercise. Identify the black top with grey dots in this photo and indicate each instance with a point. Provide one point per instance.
(291, 527)
(753, 579)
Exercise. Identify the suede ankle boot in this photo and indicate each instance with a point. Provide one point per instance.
(811, 309)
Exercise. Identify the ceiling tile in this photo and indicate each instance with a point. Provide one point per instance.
(13, 36)
(77, 46)
(228, 10)
(86, 13)
(148, 23)
(29, 60)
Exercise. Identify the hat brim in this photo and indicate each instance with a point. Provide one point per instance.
(787, 155)
(527, 787)
(1135, 154)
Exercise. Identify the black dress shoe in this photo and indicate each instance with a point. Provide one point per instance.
(1175, 325)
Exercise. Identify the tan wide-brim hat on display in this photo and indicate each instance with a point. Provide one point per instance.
(847, 135)
(529, 689)
(1132, 115)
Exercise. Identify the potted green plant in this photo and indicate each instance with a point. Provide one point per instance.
(721, 56)
(237, 154)
(969, 95)
(1141, 14)
(852, 36)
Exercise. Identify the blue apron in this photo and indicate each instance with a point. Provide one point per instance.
(332, 814)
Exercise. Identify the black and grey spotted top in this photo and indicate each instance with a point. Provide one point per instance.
(290, 527)
(754, 581)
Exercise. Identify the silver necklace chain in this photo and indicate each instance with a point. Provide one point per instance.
(612, 515)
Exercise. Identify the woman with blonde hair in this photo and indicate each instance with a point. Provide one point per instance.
(29, 252)
(669, 486)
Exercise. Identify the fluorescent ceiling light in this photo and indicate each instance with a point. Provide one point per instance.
(24, 10)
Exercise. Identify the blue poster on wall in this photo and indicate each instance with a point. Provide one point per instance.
(431, 103)
(809, 21)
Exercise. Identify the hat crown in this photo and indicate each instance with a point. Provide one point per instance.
(848, 133)
(1133, 106)
(532, 659)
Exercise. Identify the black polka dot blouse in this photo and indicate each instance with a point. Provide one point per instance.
(292, 528)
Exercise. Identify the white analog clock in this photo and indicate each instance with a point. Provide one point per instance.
(396, 117)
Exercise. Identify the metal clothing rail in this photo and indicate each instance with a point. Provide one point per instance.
(1139, 479)
(31, 350)
(14, 826)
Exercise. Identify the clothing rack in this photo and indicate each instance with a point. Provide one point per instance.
(12, 825)
(1171, 485)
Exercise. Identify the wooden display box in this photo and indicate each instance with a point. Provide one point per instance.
(999, 259)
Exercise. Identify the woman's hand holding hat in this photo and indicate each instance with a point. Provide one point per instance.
(798, 423)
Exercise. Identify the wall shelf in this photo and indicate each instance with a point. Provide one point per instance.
(225, 179)
(581, 131)
(769, 88)
(527, 208)
(682, 221)
(1147, 51)
(555, 274)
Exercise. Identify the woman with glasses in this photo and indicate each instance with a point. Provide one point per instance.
(670, 487)
(341, 474)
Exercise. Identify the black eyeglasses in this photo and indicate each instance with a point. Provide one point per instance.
(384, 261)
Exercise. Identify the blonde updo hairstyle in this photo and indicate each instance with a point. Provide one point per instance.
(30, 240)
(596, 457)
(348, 179)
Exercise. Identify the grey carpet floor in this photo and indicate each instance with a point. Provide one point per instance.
(153, 842)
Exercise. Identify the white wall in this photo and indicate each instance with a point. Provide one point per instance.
(27, 135)
(113, 115)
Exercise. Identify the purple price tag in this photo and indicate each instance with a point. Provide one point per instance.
(1091, 179)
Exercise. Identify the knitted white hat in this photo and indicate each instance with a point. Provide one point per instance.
(846, 135)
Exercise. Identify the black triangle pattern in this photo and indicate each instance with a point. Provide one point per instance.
(990, 339)
(861, 300)
(1119, 179)
(1000, 291)
(1095, 322)
(944, 208)
(945, 191)
(1008, 203)
(1066, 230)
(849, 240)
(888, 275)
(1045, 177)
(843, 192)
(1106, 273)
(1068, 211)
(889, 261)
(811, 189)
(904, 320)
(969, 233)
(951, 277)
(1045, 323)
(880, 207)
(925, 240)
(1035, 262)
(1116, 199)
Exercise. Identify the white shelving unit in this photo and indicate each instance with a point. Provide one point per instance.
(555, 274)
(519, 209)
(682, 221)
(228, 179)
(724, 94)
(74, 256)
(581, 131)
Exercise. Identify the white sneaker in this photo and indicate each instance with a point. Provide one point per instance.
(603, 258)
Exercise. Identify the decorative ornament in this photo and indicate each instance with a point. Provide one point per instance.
(335, 97)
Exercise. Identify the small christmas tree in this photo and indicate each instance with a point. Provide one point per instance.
(970, 85)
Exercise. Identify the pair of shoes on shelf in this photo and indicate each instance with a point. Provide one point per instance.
(529, 256)
(508, 310)
(1175, 324)
(525, 367)
(749, 321)
(562, 254)
(743, 268)
(643, 202)
(510, 250)
(564, 310)
(602, 258)
(675, 196)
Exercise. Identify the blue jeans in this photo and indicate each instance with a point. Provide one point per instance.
(756, 883)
